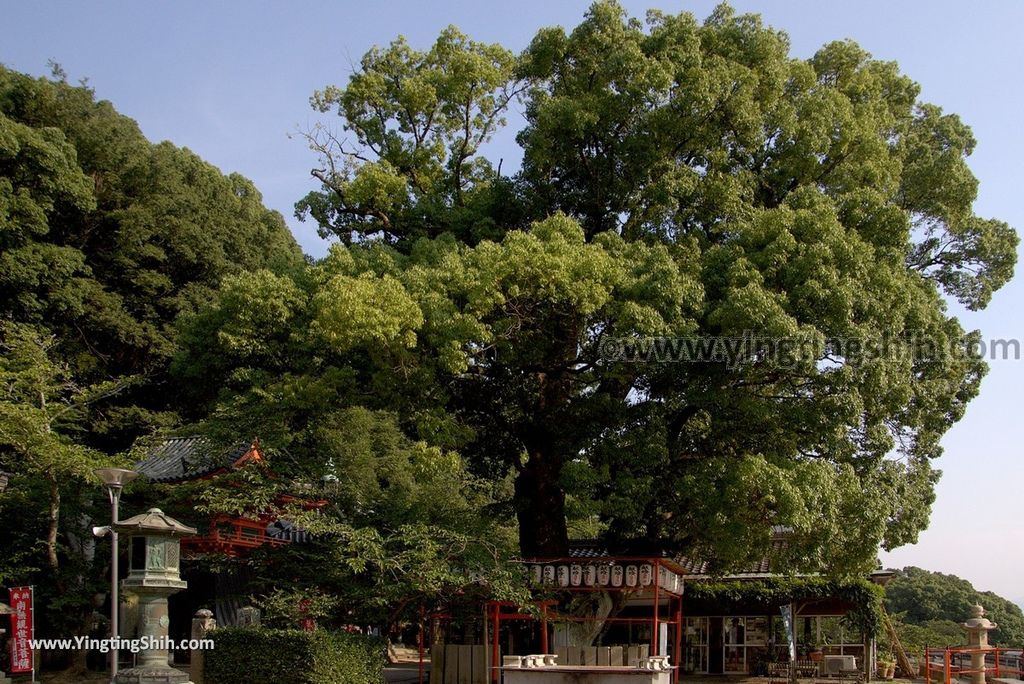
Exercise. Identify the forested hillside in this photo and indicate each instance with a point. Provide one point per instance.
(105, 238)
(929, 607)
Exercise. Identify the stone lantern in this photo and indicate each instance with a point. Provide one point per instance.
(154, 573)
(977, 628)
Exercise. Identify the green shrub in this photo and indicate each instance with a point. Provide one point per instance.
(291, 656)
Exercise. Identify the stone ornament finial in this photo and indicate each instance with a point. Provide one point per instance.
(978, 621)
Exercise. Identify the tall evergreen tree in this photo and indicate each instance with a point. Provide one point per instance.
(680, 179)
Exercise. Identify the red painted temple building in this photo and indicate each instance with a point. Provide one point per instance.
(178, 460)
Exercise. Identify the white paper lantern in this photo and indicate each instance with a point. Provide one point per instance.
(563, 575)
(631, 576)
(617, 576)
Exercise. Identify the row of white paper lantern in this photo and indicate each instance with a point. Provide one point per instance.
(604, 575)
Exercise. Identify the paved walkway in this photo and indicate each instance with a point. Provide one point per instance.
(405, 673)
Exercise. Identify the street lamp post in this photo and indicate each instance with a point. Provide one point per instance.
(114, 479)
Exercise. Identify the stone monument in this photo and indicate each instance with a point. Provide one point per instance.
(202, 624)
(154, 574)
(977, 628)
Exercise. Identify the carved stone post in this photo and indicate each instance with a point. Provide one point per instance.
(202, 624)
(977, 628)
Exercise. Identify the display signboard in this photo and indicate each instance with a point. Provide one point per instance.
(21, 630)
(787, 620)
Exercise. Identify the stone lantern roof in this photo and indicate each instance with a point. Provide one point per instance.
(154, 522)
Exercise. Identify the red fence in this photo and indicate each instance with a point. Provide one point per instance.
(943, 665)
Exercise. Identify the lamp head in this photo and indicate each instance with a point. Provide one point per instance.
(115, 477)
(101, 530)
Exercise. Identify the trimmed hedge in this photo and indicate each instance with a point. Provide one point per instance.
(290, 656)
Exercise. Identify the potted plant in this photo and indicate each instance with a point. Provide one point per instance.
(886, 665)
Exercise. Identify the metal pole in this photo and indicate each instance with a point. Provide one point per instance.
(115, 498)
(496, 644)
(35, 653)
(419, 643)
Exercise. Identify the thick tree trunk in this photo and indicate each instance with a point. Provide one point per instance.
(541, 507)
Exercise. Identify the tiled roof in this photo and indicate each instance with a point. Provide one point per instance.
(154, 520)
(185, 458)
(587, 548)
(700, 568)
(691, 567)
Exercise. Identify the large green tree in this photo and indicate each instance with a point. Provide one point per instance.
(680, 179)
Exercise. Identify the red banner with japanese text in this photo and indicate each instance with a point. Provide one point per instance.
(21, 630)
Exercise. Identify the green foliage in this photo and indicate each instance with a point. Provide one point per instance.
(104, 239)
(279, 656)
(419, 120)
(864, 596)
(935, 603)
(43, 411)
(929, 634)
(287, 609)
(680, 179)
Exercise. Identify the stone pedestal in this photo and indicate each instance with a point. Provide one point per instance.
(977, 628)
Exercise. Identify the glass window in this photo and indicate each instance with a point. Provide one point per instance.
(138, 553)
(734, 630)
(695, 644)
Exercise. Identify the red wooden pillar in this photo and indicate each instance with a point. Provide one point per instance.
(544, 628)
(678, 655)
(654, 620)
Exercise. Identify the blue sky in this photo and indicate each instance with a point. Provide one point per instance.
(232, 80)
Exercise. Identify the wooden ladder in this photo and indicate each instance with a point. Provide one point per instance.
(901, 655)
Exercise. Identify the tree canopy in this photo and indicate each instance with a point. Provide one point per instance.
(931, 607)
(680, 179)
(105, 238)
